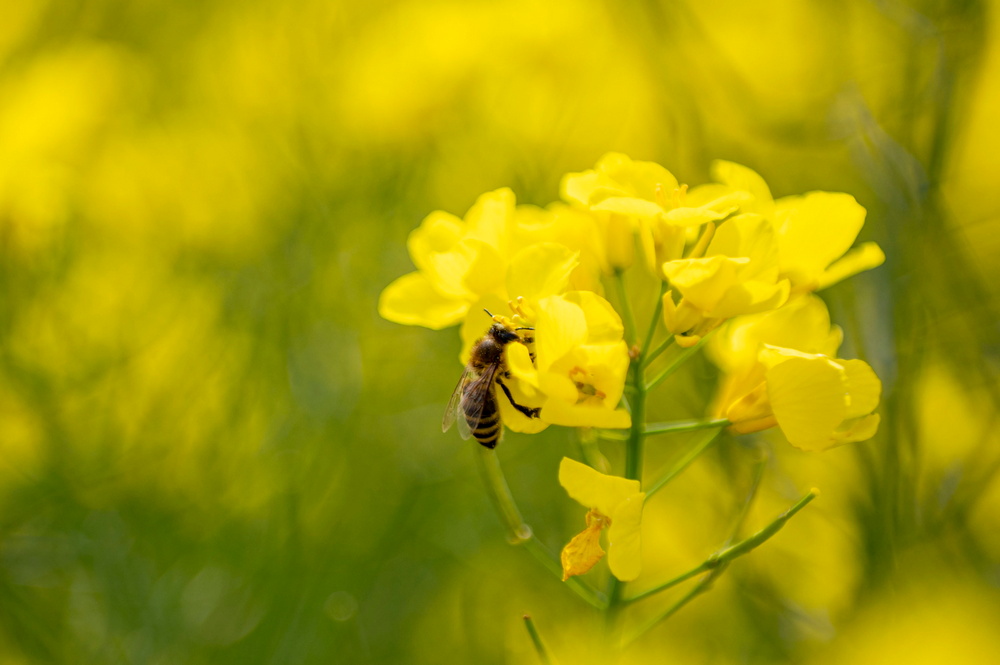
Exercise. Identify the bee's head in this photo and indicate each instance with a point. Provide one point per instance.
(502, 330)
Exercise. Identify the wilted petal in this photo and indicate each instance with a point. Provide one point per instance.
(584, 551)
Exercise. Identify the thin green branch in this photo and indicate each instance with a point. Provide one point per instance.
(653, 322)
(518, 531)
(723, 557)
(628, 319)
(684, 462)
(676, 363)
(655, 353)
(683, 426)
(536, 639)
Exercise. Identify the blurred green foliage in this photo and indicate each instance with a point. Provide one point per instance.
(212, 450)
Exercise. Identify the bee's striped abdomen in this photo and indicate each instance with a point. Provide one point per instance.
(487, 428)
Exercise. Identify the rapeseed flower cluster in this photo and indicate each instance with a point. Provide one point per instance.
(733, 261)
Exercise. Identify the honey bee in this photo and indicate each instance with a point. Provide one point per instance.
(475, 396)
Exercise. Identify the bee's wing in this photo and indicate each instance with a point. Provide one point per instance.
(454, 404)
(474, 399)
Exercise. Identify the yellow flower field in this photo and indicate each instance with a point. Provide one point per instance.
(742, 265)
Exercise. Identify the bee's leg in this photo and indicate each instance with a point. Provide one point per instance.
(530, 413)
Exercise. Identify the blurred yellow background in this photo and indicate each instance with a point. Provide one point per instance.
(213, 450)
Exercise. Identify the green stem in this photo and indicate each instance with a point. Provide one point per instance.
(654, 322)
(543, 654)
(633, 466)
(628, 319)
(519, 533)
(684, 462)
(683, 426)
(655, 353)
(496, 483)
(723, 557)
(676, 363)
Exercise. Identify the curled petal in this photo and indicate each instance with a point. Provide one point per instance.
(814, 230)
(864, 257)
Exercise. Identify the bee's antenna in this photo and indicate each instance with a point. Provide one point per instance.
(523, 328)
(488, 312)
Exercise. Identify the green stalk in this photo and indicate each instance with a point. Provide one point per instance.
(683, 426)
(489, 468)
(543, 654)
(683, 463)
(519, 533)
(676, 363)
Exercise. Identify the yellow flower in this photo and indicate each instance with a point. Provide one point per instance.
(489, 253)
(580, 365)
(802, 324)
(643, 197)
(614, 504)
(814, 231)
(817, 401)
(738, 275)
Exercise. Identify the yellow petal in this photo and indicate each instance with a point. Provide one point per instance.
(559, 387)
(750, 298)
(636, 178)
(860, 429)
(624, 543)
(703, 282)
(620, 242)
(802, 324)
(681, 317)
(814, 230)
(584, 550)
(519, 364)
(695, 216)
(412, 300)
(568, 414)
(439, 232)
(748, 236)
(741, 178)
(578, 187)
(594, 489)
(629, 206)
(560, 327)
(604, 325)
(491, 218)
(863, 386)
(809, 399)
(864, 257)
(541, 270)
(484, 267)
(513, 419)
